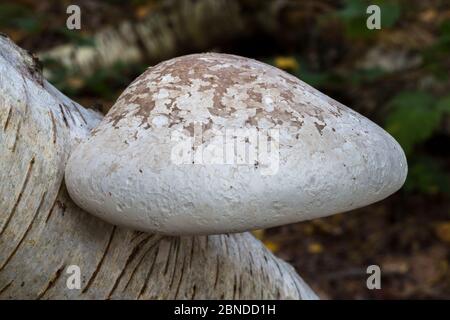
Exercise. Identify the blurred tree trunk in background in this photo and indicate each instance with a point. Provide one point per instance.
(173, 28)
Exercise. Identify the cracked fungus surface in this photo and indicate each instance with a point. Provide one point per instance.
(326, 157)
(220, 90)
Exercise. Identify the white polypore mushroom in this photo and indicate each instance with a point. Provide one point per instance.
(216, 143)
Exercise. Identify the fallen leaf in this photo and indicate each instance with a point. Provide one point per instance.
(287, 63)
(442, 231)
(259, 234)
(272, 246)
(315, 248)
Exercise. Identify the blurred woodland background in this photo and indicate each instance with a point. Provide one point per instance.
(397, 76)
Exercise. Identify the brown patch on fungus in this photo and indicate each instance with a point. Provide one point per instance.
(227, 84)
(320, 127)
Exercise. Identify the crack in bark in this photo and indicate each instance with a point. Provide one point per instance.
(130, 258)
(56, 202)
(63, 115)
(54, 133)
(139, 263)
(52, 282)
(16, 136)
(25, 234)
(217, 271)
(181, 277)
(99, 264)
(177, 251)
(166, 266)
(79, 112)
(69, 112)
(25, 91)
(8, 117)
(194, 291)
(234, 287)
(136, 234)
(3, 290)
(144, 287)
(192, 252)
(16, 203)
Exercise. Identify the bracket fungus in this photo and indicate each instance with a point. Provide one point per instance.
(216, 143)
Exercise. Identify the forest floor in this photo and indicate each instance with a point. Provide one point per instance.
(407, 237)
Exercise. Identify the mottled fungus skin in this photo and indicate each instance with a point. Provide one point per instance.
(166, 158)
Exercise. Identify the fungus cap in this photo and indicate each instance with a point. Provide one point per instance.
(216, 143)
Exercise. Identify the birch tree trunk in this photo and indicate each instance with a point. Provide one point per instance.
(42, 232)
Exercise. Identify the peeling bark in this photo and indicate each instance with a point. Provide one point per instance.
(42, 231)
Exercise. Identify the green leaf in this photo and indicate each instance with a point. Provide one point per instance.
(77, 38)
(358, 76)
(20, 17)
(445, 28)
(353, 9)
(412, 119)
(10, 12)
(353, 15)
(390, 12)
(427, 176)
(435, 56)
(28, 24)
(315, 79)
(443, 105)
